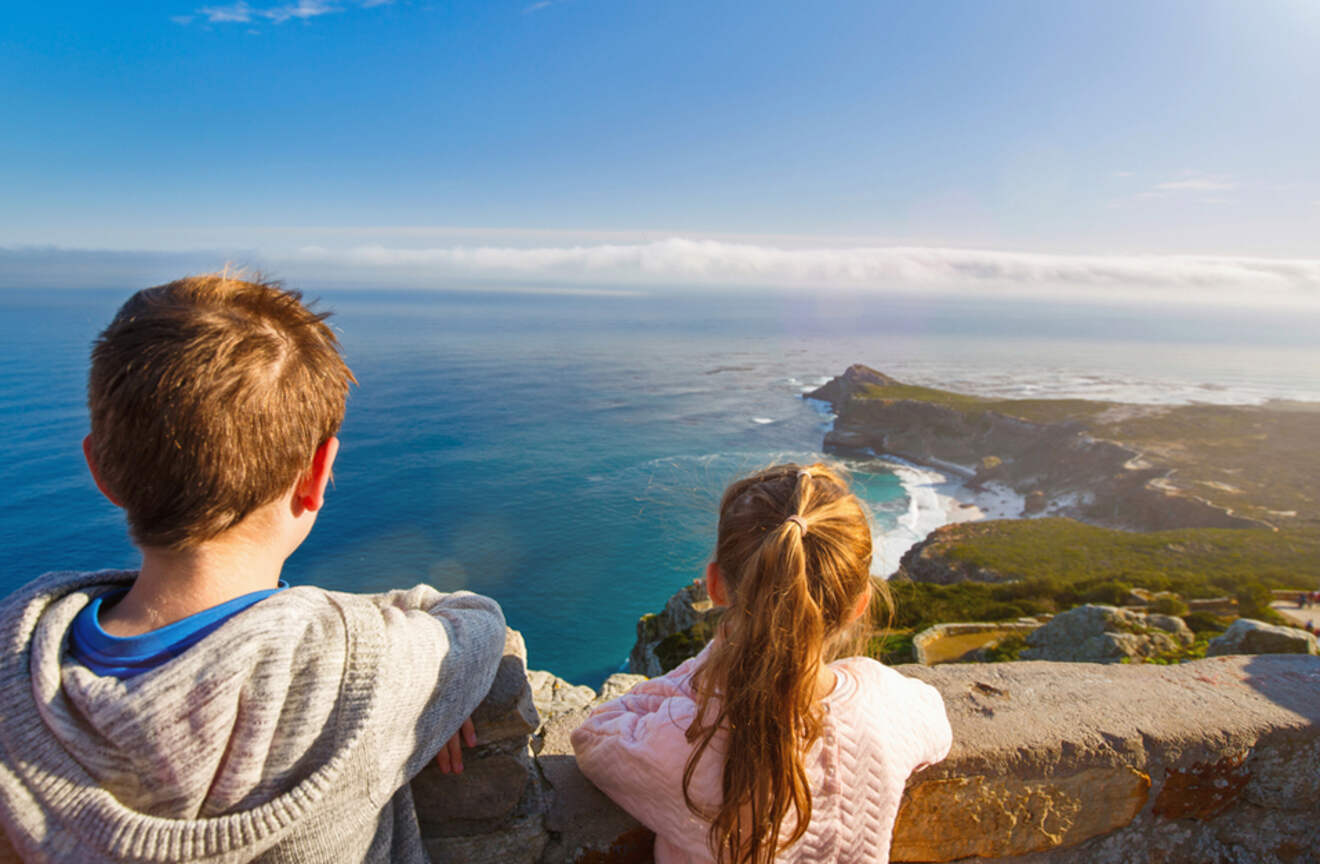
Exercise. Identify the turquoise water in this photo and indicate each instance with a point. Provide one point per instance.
(565, 453)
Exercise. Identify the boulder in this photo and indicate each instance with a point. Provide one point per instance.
(618, 684)
(1247, 636)
(553, 695)
(1106, 634)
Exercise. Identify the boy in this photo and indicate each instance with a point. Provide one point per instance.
(198, 709)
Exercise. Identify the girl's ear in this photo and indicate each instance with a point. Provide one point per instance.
(715, 585)
(863, 603)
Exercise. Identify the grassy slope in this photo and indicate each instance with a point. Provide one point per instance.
(1058, 563)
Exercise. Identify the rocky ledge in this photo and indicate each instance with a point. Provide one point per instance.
(1213, 760)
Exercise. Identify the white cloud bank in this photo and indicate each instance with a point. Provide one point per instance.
(679, 261)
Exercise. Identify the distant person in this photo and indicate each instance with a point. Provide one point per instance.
(759, 749)
(1301, 600)
(198, 709)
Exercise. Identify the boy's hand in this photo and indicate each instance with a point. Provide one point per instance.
(450, 757)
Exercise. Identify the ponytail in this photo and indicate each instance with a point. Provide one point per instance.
(795, 552)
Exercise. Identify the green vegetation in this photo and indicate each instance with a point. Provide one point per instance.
(1005, 649)
(1253, 601)
(677, 647)
(1192, 562)
(1055, 564)
(1167, 605)
(1195, 651)
(892, 647)
(1205, 624)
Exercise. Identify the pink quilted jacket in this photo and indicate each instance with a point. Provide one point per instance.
(879, 727)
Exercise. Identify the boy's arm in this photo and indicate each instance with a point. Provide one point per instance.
(441, 652)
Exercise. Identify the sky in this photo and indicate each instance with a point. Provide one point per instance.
(1095, 145)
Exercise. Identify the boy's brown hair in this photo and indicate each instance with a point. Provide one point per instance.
(209, 396)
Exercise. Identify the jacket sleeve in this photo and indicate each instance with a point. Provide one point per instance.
(440, 655)
(635, 749)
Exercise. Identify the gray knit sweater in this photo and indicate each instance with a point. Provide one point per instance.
(287, 735)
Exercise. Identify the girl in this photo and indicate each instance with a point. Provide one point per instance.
(757, 750)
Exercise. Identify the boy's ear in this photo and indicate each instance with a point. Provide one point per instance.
(310, 494)
(715, 586)
(89, 454)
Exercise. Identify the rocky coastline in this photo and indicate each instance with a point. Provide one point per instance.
(1059, 468)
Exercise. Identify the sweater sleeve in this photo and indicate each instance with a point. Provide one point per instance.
(441, 652)
(635, 749)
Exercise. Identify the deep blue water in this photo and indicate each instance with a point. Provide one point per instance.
(565, 453)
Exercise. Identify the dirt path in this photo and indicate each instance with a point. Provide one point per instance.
(1297, 616)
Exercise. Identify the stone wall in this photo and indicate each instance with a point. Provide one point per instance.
(1212, 761)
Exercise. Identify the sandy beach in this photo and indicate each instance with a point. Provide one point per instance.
(937, 496)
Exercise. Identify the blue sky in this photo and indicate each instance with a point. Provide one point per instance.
(293, 130)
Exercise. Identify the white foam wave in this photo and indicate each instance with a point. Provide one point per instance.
(935, 499)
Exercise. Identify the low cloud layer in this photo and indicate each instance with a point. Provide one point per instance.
(679, 261)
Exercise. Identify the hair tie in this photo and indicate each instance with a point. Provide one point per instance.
(804, 473)
(800, 522)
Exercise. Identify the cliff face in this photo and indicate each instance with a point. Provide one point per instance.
(1098, 481)
(678, 632)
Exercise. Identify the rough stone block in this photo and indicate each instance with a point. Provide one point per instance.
(1203, 789)
(553, 695)
(587, 825)
(508, 710)
(521, 842)
(487, 791)
(961, 817)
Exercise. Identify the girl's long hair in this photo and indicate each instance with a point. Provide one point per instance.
(793, 587)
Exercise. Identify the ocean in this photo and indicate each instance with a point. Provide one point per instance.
(564, 451)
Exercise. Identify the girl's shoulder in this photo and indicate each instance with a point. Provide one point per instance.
(901, 715)
(870, 683)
